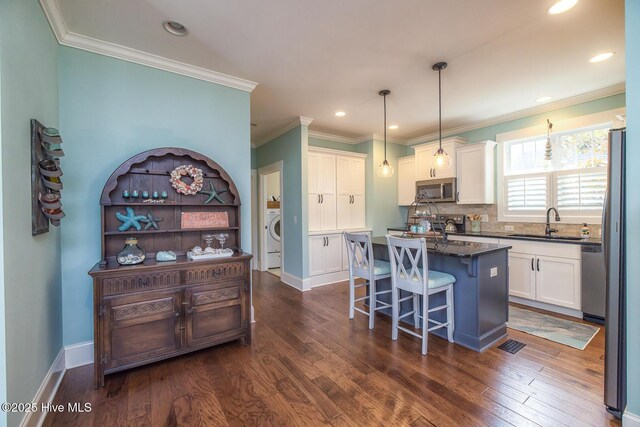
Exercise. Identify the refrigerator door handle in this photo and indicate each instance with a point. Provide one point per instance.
(603, 230)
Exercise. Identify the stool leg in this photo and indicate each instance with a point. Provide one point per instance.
(372, 301)
(394, 313)
(351, 296)
(425, 323)
(450, 314)
(416, 311)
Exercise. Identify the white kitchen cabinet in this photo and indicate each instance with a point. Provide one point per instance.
(425, 169)
(545, 272)
(350, 213)
(522, 275)
(558, 281)
(325, 254)
(322, 191)
(476, 173)
(406, 180)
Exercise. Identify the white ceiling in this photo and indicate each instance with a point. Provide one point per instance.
(312, 58)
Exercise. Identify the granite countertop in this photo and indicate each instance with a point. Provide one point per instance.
(590, 241)
(454, 248)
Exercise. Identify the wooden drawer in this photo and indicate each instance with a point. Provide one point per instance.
(210, 273)
(140, 282)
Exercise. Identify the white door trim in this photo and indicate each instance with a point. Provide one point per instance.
(262, 210)
(255, 262)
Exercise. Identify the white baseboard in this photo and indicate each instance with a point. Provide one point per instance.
(295, 282)
(549, 307)
(630, 420)
(328, 279)
(78, 354)
(47, 391)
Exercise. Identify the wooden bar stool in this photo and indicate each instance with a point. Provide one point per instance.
(409, 262)
(362, 264)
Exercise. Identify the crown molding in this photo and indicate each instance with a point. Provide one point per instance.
(298, 121)
(68, 38)
(562, 103)
(331, 137)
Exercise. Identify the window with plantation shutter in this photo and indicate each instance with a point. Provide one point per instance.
(526, 193)
(581, 191)
(574, 180)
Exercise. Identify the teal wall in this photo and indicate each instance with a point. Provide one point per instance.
(323, 143)
(111, 110)
(381, 193)
(31, 273)
(632, 17)
(291, 149)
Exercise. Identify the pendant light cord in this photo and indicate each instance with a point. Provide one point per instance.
(385, 128)
(440, 106)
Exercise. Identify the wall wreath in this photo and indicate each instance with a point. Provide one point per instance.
(180, 186)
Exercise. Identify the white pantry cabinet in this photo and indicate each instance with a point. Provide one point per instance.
(322, 191)
(350, 184)
(476, 173)
(425, 169)
(406, 180)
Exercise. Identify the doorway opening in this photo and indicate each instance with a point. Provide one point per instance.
(271, 226)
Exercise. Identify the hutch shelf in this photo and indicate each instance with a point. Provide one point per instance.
(156, 310)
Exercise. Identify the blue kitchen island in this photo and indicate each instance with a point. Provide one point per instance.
(481, 291)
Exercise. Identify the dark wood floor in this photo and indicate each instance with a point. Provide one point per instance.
(309, 365)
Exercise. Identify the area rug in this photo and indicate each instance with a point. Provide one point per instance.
(573, 334)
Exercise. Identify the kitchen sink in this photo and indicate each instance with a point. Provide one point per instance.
(542, 236)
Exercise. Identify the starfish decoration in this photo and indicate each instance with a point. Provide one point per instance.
(213, 193)
(130, 220)
(152, 221)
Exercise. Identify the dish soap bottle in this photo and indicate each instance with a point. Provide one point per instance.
(584, 231)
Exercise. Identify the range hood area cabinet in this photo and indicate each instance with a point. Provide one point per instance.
(475, 169)
(336, 183)
(424, 159)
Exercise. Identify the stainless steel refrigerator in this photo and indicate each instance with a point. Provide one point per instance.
(613, 248)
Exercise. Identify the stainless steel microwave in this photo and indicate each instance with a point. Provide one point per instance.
(437, 190)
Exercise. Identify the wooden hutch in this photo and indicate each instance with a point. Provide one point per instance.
(156, 310)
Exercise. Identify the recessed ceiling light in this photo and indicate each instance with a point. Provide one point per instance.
(602, 57)
(175, 28)
(543, 99)
(393, 127)
(561, 6)
(340, 114)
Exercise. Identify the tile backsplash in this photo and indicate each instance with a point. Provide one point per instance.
(518, 227)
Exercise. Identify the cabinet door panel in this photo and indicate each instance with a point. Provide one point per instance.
(558, 282)
(141, 327)
(406, 181)
(333, 254)
(424, 163)
(521, 276)
(343, 220)
(343, 175)
(212, 313)
(316, 255)
(358, 186)
(328, 172)
(313, 168)
(449, 172)
(471, 175)
(315, 215)
(328, 212)
(358, 212)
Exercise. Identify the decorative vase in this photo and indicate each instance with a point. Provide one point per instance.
(131, 254)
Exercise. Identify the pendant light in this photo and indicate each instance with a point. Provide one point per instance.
(385, 170)
(441, 160)
(548, 153)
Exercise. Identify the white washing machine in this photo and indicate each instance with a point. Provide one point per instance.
(273, 238)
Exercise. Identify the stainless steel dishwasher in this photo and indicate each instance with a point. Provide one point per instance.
(594, 287)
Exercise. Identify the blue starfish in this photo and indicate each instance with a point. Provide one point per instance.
(213, 193)
(152, 221)
(130, 220)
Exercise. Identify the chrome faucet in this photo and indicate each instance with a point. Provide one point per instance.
(547, 229)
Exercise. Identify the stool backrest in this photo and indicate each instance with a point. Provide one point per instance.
(360, 253)
(409, 263)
